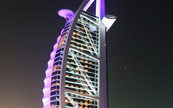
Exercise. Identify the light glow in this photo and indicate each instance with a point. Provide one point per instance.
(108, 21)
(65, 13)
(47, 80)
(100, 8)
(88, 5)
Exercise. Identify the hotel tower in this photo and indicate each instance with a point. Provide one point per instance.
(76, 76)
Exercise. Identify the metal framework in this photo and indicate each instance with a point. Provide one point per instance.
(76, 74)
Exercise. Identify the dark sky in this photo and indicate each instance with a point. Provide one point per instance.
(140, 62)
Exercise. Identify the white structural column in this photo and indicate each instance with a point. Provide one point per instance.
(100, 8)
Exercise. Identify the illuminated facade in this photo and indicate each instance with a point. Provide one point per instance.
(76, 75)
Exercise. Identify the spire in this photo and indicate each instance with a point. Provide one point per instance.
(100, 7)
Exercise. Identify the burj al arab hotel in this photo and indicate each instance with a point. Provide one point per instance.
(76, 75)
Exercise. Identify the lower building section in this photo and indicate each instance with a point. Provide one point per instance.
(73, 100)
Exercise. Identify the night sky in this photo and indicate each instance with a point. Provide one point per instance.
(139, 50)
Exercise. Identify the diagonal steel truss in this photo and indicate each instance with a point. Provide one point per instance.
(85, 75)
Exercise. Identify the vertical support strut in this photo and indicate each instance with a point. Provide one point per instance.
(100, 8)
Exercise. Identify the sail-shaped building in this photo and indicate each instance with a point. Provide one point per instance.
(76, 76)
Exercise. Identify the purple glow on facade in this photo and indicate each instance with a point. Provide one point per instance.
(53, 54)
(59, 37)
(55, 46)
(50, 63)
(47, 80)
(66, 13)
(48, 73)
(46, 90)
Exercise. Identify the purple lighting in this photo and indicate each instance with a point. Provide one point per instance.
(48, 73)
(66, 13)
(47, 80)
